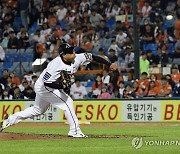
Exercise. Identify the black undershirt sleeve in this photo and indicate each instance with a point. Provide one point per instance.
(54, 85)
(101, 60)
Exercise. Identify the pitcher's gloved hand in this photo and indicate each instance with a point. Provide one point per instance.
(65, 81)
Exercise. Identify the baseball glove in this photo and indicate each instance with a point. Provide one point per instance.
(65, 81)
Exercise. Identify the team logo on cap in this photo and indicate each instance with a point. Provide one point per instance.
(67, 45)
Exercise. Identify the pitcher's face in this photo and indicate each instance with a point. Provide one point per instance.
(69, 57)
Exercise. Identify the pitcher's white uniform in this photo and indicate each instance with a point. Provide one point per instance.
(46, 96)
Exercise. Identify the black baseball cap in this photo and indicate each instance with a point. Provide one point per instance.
(66, 48)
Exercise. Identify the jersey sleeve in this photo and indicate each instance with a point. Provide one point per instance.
(85, 58)
(51, 74)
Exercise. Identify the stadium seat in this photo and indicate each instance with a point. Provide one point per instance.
(7, 65)
(27, 66)
(27, 57)
(17, 23)
(33, 28)
(12, 57)
(29, 50)
(152, 47)
(168, 24)
(110, 23)
(171, 48)
(90, 83)
(11, 51)
(63, 23)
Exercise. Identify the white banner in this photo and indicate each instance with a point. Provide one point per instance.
(51, 115)
(141, 111)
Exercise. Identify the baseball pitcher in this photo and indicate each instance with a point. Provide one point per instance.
(53, 86)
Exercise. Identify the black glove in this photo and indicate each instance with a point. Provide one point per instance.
(65, 81)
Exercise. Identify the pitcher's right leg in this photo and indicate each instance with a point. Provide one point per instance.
(39, 108)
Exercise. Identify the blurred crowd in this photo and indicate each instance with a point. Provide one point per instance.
(102, 27)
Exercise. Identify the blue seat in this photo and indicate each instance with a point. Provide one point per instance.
(12, 57)
(7, 65)
(171, 48)
(168, 24)
(25, 57)
(63, 23)
(110, 23)
(90, 83)
(33, 28)
(152, 47)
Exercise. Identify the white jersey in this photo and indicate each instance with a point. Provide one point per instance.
(52, 72)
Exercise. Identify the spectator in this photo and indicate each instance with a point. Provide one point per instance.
(165, 89)
(148, 34)
(152, 90)
(11, 89)
(52, 21)
(95, 18)
(115, 10)
(143, 82)
(153, 77)
(5, 40)
(23, 8)
(121, 89)
(13, 41)
(153, 60)
(103, 30)
(9, 83)
(176, 54)
(128, 92)
(45, 30)
(164, 55)
(120, 37)
(4, 77)
(176, 91)
(7, 29)
(115, 47)
(129, 56)
(2, 54)
(112, 56)
(144, 64)
(78, 91)
(22, 29)
(84, 4)
(29, 93)
(65, 34)
(61, 12)
(1, 92)
(17, 94)
(104, 93)
(96, 87)
(41, 20)
(108, 10)
(34, 79)
(86, 44)
(15, 79)
(24, 84)
(23, 41)
(175, 75)
(139, 92)
(115, 94)
(146, 9)
(7, 95)
(170, 81)
(102, 52)
(95, 39)
(106, 77)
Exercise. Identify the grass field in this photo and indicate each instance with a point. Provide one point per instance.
(126, 131)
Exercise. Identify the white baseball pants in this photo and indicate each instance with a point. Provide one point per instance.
(42, 102)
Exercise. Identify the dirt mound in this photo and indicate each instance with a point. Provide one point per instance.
(22, 136)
